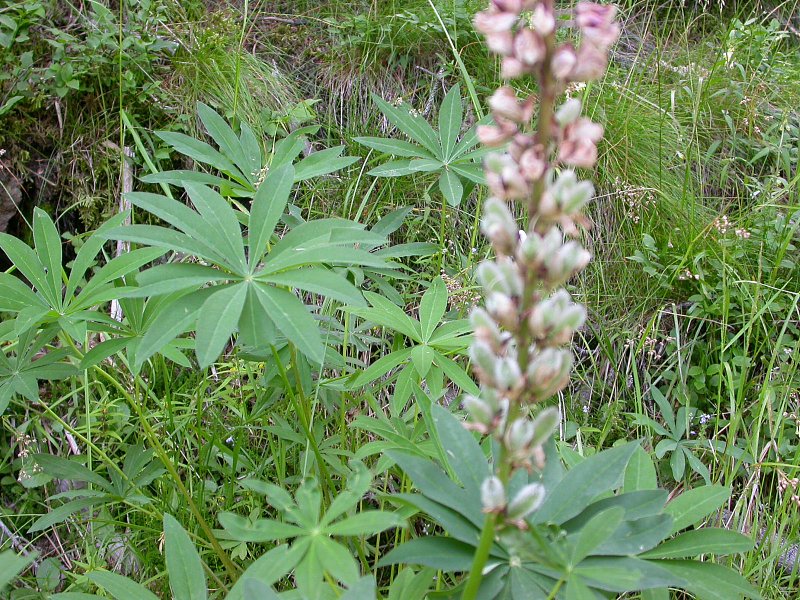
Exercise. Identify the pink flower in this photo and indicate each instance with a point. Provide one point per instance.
(564, 59)
(490, 21)
(529, 47)
(543, 19)
(532, 163)
(504, 103)
(500, 43)
(579, 146)
(591, 63)
(511, 68)
(492, 136)
(596, 22)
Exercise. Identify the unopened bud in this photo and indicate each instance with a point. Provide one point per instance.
(565, 262)
(501, 42)
(529, 47)
(544, 425)
(499, 225)
(549, 372)
(511, 68)
(493, 495)
(485, 327)
(480, 412)
(492, 136)
(519, 436)
(527, 500)
(503, 309)
(507, 374)
(483, 359)
(489, 21)
(564, 60)
(505, 104)
(510, 272)
(543, 19)
(555, 319)
(568, 112)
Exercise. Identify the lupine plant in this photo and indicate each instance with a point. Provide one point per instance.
(522, 527)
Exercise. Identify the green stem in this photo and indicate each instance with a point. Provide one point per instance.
(152, 437)
(481, 557)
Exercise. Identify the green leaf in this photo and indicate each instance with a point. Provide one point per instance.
(217, 320)
(12, 565)
(707, 540)
(442, 553)
(453, 523)
(181, 217)
(323, 162)
(267, 569)
(596, 475)
(319, 280)
(253, 589)
(636, 535)
(393, 168)
(394, 147)
(293, 320)
(450, 117)
(461, 449)
(262, 530)
(422, 359)
(451, 187)
(365, 523)
(414, 126)
(708, 580)
(335, 559)
(623, 574)
(27, 263)
(16, 296)
(70, 470)
(456, 374)
(120, 587)
(187, 580)
(380, 367)
(48, 247)
(178, 177)
(363, 589)
(268, 205)
(640, 474)
(432, 307)
(692, 505)
(63, 512)
(202, 152)
(174, 277)
(220, 217)
(224, 136)
(161, 237)
(387, 314)
(595, 532)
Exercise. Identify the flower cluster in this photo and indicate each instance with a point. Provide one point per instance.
(518, 352)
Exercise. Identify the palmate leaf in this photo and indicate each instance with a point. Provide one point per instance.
(217, 320)
(268, 205)
(414, 126)
(394, 147)
(450, 119)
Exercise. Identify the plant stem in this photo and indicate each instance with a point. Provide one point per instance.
(481, 557)
(152, 437)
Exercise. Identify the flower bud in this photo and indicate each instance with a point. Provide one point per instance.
(564, 60)
(549, 372)
(568, 112)
(485, 328)
(511, 6)
(491, 278)
(504, 103)
(511, 68)
(493, 495)
(555, 319)
(563, 262)
(519, 436)
(596, 22)
(503, 309)
(543, 19)
(489, 21)
(527, 500)
(570, 194)
(529, 47)
(590, 63)
(544, 425)
(532, 163)
(499, 225)
(511, 276)
(501, 42)
(483, 360)
(479, 411)
(492, 136)
(507, 374)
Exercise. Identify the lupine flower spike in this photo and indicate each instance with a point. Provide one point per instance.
(519, 353)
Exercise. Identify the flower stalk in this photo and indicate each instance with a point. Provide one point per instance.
(519, 353)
